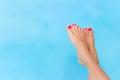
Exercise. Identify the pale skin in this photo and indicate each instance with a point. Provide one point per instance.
(89, 38)
(83, 40)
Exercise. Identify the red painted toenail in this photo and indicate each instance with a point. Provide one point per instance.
(89, 29)
(69, 27)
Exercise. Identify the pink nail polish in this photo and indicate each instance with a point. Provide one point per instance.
(89, 29)
(69, 27)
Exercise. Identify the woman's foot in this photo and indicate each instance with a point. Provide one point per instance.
(76, 35)
(89, 38)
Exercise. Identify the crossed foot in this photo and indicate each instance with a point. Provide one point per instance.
(83, 40)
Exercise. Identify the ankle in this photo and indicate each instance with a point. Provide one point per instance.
(91, 62)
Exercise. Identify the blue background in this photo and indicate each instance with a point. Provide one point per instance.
(34, 44)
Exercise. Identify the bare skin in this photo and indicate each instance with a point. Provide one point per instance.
(89, 38)
(79, 40)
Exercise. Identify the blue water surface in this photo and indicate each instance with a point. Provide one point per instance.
(34, 44)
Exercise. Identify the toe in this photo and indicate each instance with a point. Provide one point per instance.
(90, 32)
(84, 32)
(69, 30)
(79, 30)
(74, 29)
(87, 33)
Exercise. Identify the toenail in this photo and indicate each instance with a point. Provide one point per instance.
(69, 27)
(89, 29)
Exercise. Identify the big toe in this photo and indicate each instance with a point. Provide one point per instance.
(69, 30)
(90, 32)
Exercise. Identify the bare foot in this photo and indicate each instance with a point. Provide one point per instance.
(89, 37)
(77, 38)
